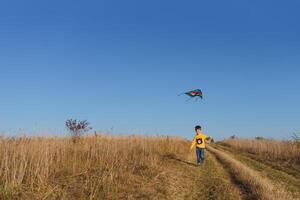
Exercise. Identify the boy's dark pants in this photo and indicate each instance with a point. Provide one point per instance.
(200, 155)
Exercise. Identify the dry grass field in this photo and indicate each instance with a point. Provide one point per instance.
(140, 167)
(96, 167)
(276, 161)
(268, 149)
(281, 155)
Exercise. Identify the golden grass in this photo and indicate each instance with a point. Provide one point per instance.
(261, 188)
(98, 167)
(117, 167)
(284, 176)
(268, 149)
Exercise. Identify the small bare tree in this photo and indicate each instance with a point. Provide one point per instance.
(259, 138)
(232, 137)
(296, 137)
(77, 128)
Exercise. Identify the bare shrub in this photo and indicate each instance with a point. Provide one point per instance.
(77, 128)
(296, 137)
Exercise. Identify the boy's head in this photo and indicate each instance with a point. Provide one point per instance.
(198, 129)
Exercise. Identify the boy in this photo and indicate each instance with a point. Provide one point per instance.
(199, 141)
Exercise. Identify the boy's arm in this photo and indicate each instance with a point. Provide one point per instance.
(207, 139)
(193, 143)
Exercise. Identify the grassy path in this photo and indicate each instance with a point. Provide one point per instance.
(280, 179)
(287, 167)
(258, 186)
(209, 181)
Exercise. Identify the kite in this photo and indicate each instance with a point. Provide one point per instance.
(194, 94)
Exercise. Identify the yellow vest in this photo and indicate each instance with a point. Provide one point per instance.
(199, 141)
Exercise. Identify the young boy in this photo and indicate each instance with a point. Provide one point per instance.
(199, 141)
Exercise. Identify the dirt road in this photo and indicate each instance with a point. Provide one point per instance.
(226, 175)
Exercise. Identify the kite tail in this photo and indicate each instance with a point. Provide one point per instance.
(188, 99)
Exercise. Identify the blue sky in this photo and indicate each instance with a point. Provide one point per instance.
(121, 64)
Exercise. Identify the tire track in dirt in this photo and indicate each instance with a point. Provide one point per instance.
(244, 192)
(252, 183)
(281, 178)
(292, 170)
(207, 182)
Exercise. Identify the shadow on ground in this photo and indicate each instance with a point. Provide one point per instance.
(173, 157)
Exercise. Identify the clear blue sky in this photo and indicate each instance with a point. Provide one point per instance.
(121, 64)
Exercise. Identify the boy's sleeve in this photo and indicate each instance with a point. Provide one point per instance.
(193, 143)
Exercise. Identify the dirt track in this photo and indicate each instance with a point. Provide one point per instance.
(217, 178)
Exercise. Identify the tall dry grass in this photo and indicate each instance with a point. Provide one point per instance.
(98, 167)
(268, 149)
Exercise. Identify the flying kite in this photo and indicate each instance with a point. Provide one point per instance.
(197, 93)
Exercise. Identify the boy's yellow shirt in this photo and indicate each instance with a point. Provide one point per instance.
(199, 141)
